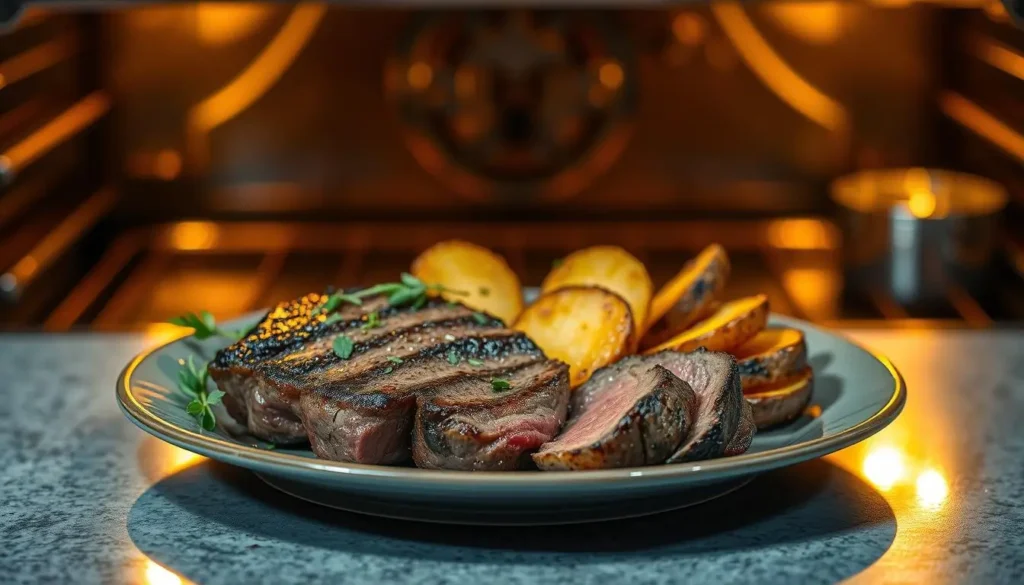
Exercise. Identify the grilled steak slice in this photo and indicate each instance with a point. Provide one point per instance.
(470, 425)
(716, 381)
(287, 326)
(628, 414)
(744, 434)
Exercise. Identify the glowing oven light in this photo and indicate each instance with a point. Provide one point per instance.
(932, 489)
(157, 575)
(884, 467)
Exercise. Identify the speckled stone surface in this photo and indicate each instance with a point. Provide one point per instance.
(88, 498)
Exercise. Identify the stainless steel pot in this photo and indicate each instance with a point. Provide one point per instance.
(914, 233)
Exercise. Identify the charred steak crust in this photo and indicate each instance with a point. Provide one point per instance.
(341, 417)
(481, 429)
(715, 378)
(744, 434)
(632, 414)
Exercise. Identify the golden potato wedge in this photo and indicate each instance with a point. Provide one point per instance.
(485, 277)
(688, 297)
(782, 402)
(611, 268)
(732, 324)
(771, 355)
(586, 327)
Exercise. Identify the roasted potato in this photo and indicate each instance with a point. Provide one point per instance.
(770, 356)
(732, 324)
(485, 277)
(611, 268)
(688, 297)
(584, 326)
(783, 401)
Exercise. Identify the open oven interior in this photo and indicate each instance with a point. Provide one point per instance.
(161, 159)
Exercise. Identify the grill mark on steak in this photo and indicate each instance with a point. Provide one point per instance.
(368, 417)
(271, 410)
(290, 386)
(287, 326)
(468, 425)
(628, 414)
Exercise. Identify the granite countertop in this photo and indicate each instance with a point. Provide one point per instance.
(938, 497)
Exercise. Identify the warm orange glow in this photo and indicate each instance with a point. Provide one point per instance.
(774, 71)
(932, 489)
(999, 56)
(884, 466)
(801, 234)
(419, 76)
(219, 23)
(982, 123)
(921, 204)
(813, 289)
(35, 60)
(193, 235)
(689, 29)
(57, 130)
(610, 75)
(261, 74)
(167, 164)
(157, 575)
(158, 333)
(814, 22)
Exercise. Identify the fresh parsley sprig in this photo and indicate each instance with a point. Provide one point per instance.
(205, 326)
(408, 292)
(192, 381)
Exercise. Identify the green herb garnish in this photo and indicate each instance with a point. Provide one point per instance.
(474, 362)
(372, 320)
(343, 346)
(192, 381)
(205, 326)
(453, 357)
(499, 384)
(409, 291)
(480, 318)
(388, 370)
(395, 359)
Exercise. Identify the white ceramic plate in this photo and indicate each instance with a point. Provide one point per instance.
(857, 393)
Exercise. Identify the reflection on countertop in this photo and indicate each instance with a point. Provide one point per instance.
(934, 498)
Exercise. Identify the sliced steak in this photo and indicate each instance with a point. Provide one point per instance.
(628, 414)
(744, 434)
(347, 416)
(287, 326)
(720, 404)
(468, 424)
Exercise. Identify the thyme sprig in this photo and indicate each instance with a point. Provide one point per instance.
(205, 326)
(408, 292)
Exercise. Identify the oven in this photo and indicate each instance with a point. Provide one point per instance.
(862, 162)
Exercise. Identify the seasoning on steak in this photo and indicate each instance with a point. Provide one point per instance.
(287, 326)
(470, 424)
(628, 414)
(361, 408)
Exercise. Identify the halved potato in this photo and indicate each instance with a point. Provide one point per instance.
(584, 326)
(771, 355)
(783, 401)
(485, 277)
(611, 268)
(688, 297)
(732, 324)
